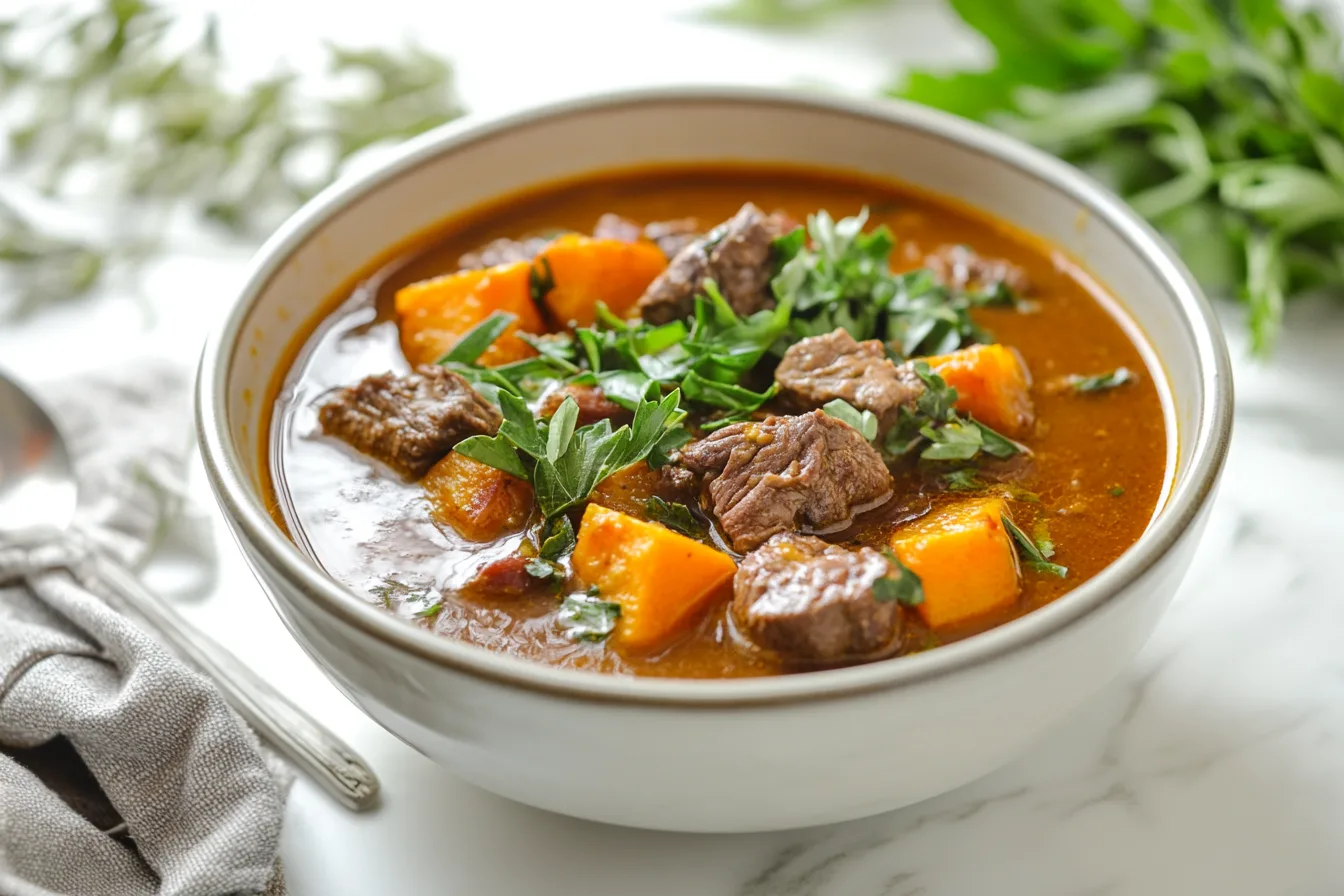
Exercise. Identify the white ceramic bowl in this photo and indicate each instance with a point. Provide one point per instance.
(743, 755)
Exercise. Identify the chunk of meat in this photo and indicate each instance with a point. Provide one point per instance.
(408, 422)
(961, 268)
(507, 576)
(737, 255)
(502, 251)
(672, 236)
(593, 404)
(783, 474)
(669, 236)
(613, 227)
(822, 368)
(811, 601)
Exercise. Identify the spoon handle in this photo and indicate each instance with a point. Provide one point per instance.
(292, 731)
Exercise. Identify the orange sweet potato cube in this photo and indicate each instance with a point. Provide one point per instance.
(992, 384)
(434, 314)
(965, 559)
(661, 579)
(586, 271)
(478, 501)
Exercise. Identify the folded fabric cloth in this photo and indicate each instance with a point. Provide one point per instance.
(122, 771)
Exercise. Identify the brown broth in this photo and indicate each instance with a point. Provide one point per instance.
(362, 524)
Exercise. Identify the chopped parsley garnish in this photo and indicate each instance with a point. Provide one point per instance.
(1032, 554)
(1117, 491)
(943, 433)
(677, 517)
(588, 617)
(479, 338)
(540, 279)
(967, 480)
(565, 463)
(559, 541)
(842, 277)
(905, 587)
(1101, 382)
(539, 568)
(864, 421)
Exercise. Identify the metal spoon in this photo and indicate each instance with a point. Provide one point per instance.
(38, 496)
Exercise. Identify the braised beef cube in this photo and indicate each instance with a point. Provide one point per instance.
(408, 422)
(810, 601)
(670, 236)
(785, 474)
(823, 368)
(737, 255)
(673, 236)
(502, 251)
(614, 227)
(507, 577)
(593, 404)
(961, 268)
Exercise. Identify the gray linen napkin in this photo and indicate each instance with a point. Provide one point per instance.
(124, 772)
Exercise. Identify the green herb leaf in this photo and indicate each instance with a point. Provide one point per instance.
(905, 587)
(967, 480)
(1117, 491)
(957, 440)
(864, 421)
(560, 541)
(998, 445)
(540, 279)
(1101, 382)
(561, 429)
(540, 568)
(1218, 121)
(496, 451)
(677, 517)
(479, 338)
(588, 617)
(1032, 555)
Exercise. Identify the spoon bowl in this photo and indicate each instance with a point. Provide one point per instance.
(38, 490)
(38, 498)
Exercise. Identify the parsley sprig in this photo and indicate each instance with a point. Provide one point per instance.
(1222, 121)
(565, 463)
(934, 427)
(835, 274)
(1034, 555)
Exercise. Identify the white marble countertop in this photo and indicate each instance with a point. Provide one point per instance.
(1215, 765)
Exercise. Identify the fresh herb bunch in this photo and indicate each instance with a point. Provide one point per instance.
(565, 463)
(1222, 121)
(835, 274)
(113, 92)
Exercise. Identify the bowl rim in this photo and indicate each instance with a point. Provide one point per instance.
(254, 526)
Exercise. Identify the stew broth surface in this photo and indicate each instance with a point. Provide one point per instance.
(1097, 465)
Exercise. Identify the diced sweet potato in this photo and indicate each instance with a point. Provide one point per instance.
(965, 559)
(628, 490)
(478, 501)
(435, 314)
(586, 271)
(661, 579)
(992, 384)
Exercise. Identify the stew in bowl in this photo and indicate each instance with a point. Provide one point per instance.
(709, 421)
